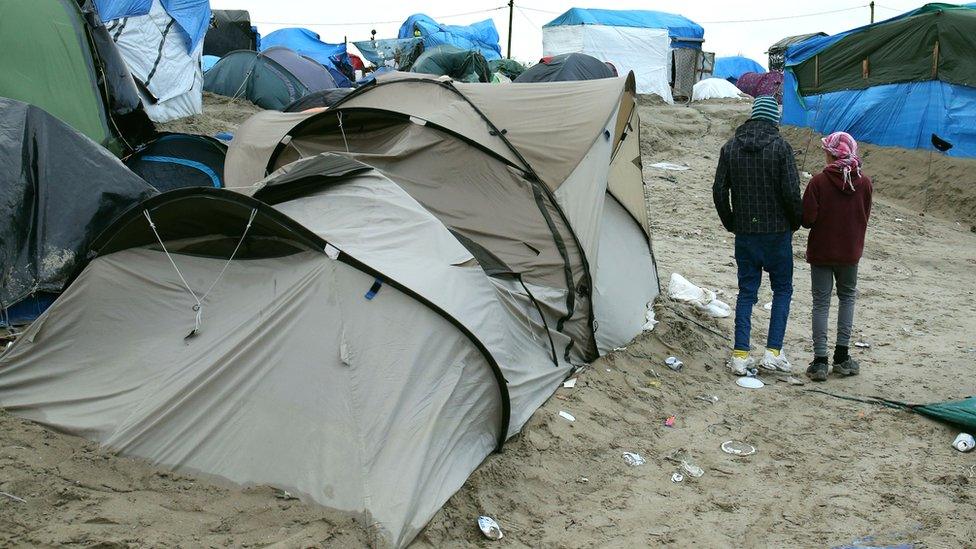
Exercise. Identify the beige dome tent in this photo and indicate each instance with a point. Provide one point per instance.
(351, 328)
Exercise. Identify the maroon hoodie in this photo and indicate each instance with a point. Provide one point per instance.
(837, 217)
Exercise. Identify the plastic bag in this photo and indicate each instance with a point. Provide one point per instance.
(680, 289)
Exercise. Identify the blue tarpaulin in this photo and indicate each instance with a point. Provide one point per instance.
(895, 115)
(307, 43)
(731, 68)
(481, 36)
(684, 32)
(192, 16)
(398, 52)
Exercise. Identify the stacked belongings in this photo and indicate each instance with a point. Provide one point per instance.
(353, 299)
(58, 190)
(162, 43)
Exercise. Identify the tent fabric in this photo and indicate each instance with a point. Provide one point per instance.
(61, 58)
(715, 88)
(262, 80)
(318, 100)
(208, 61)
(961, 413)
(395, 53)
(307, 43)
(684, 32)
(566, 67)
(481, 36)
(180, 160)
(644, 51)
(731, 68)
(167, 68)
(231, 31)
(510, 68)
(895, 115)
(192, 16)
(923, 46)
(460, 65)
(46, 224)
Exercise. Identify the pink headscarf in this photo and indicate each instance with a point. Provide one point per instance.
(843, 147)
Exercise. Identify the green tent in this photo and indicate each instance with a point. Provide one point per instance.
(961, 413)
(461, 65)
(57, 55)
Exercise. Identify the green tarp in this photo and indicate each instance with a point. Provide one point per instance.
(961, 413)
(937, 43)
(47, 61)
(461, 65)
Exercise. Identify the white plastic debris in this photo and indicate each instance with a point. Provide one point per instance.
(670, 167)
(964, 442)
(569, 383)
(711, 399)
(490, 528)
(679, 288)
(750, 382)
(649, 321)
(673, 363)
(566, 415)
(738, 448)
(692, 469)
(862, 344)
(677, 477)
(634, 459)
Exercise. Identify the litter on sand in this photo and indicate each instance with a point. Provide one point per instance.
(692, 469)
(674, 363)
(738, 448)
(711, 399)
(569, 383)
(13, 497)
(670, 421)
(668, 166)
(677, 477)
(862, 344)
(749, 382)
(634, 459)
(705, 300)
(490, 528)
(567, 415)
(964, 442)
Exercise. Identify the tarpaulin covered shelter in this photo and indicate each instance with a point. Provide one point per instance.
(58, 190)
(229, 31)
(350, 311)
(391, 53)
(632, 40)
(176, 160)
(307, 43)
(57, 55)
(894, 83)
(272, 79)
(566, 67)
(161, 42)
(461, 65)
(509, 68)
(481, 36)
(777, 52)
(731, 68)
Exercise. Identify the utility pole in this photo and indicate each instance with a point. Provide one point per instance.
(511, 12)
(872, 12)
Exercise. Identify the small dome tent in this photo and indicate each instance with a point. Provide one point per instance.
(566, 67)
(306, 43)
(272, 79)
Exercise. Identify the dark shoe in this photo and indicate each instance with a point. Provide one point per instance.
(817, 371)
(849, 367)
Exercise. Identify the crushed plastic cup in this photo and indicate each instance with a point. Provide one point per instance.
(738, 448)
(711, 399)
(692, 469)
(633, 459)
(964, 442)
(490, 528)
(567, 416)
(674, 363)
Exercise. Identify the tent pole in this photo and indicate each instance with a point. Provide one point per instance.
(872, 12)
(511, 12)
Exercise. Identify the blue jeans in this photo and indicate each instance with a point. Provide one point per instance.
(755, 253)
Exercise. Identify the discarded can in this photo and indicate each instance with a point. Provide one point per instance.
(633, 459)
(674, 363)
(490, 528)
(964, 442)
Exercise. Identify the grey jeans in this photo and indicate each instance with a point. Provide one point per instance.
(822, 283)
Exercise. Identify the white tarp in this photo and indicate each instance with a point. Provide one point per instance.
(647, 52)
(715, 88)
(155, 50)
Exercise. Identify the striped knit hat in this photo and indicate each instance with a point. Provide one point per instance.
(766, 108)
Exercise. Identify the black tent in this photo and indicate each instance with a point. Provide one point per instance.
(58, 190)
(569, 66)
(271, 79)
(176, 160)
(230, 30)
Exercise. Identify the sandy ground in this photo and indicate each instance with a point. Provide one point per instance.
(828, 472)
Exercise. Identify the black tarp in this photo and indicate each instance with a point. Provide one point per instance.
(177, 160)
(319, 99)
(58, 190)
(230, 30)
(566, 67)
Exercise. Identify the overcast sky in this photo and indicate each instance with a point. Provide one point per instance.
(727, 31)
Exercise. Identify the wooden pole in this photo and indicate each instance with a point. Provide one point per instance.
(511, 12)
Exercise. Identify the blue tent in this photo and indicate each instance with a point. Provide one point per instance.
(684, 32)
(897, 114)
(481, 36)
(192, 16)
(307, 43)
(731, 68)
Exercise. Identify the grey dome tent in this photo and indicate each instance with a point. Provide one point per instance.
(566, 67)
(271, 79)
(58, 190)
(354, 322)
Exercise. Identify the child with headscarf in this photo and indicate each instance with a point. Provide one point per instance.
(836, 208)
